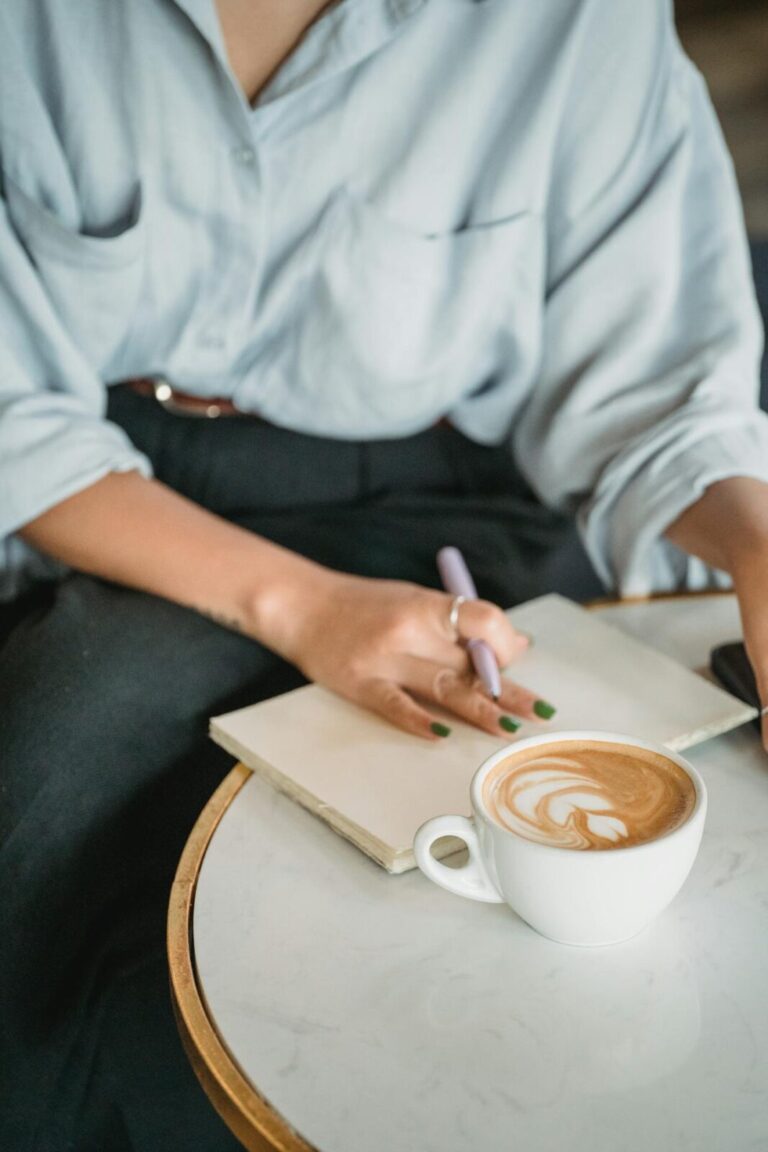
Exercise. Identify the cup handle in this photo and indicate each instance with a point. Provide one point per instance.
(472, 880)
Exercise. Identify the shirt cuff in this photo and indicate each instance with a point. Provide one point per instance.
(624, 533)
(45, 458)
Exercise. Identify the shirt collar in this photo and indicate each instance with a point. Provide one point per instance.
(341, 36)
(203, 14)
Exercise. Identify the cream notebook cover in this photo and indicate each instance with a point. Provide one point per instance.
(376, 785)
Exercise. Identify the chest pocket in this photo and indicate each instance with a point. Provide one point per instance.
(93, 282)
(401, 323)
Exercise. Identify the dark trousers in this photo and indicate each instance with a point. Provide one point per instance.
(105, 763)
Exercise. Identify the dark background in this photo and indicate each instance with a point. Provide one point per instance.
(728, 40)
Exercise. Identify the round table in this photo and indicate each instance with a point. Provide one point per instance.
(327, 1005)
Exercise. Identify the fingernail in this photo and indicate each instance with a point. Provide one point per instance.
(543, 710)
(525, 638)
(440, 729)
(508, 724)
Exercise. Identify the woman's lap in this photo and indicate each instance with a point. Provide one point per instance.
(105, 695)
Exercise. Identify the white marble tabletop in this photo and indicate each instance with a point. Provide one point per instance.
(382, 1014)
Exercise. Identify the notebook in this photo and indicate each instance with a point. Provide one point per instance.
(376, 785)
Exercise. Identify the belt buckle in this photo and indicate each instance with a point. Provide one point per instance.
(164, 394)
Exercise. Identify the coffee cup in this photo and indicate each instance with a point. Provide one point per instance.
(587, 836)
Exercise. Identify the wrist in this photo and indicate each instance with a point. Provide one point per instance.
(274, 605)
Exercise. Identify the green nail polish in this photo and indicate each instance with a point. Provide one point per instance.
(508, 724)
(543, 710)
(440, 729)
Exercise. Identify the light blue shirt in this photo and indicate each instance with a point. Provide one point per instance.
(518, 215)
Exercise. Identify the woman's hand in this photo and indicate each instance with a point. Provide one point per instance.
(728, 528)
(380, 643)
(751, 586)
(388, 645)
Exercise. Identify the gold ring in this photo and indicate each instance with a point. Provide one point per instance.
(453, 618)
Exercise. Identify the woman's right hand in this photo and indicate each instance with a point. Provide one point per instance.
(388, 646)
(384, 644)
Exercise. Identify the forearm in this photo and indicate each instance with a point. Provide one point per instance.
(728, 527)
(392, 648)
(142, 534)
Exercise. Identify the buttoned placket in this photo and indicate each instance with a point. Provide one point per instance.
(342, 35)
(218, 335)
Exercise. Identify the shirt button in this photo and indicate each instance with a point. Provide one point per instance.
(245, 155)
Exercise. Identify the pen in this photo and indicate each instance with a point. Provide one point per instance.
(457, 580)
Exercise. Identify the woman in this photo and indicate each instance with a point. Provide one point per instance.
(422, 259)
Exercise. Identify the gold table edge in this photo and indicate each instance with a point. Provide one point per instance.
(246, 1113)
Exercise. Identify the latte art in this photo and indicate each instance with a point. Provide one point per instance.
(589, 796)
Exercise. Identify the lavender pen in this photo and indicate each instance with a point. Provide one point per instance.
(457, 580)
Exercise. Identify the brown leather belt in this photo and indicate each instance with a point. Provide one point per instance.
(211, 407)
(182, 403)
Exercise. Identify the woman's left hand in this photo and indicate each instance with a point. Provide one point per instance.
(751, 587)
(728, 529)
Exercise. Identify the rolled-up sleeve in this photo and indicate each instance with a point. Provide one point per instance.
(54, 438)
(648, 390)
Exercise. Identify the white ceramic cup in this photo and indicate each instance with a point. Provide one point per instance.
(569, 895)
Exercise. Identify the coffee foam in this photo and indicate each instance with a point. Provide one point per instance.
(589, 795)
